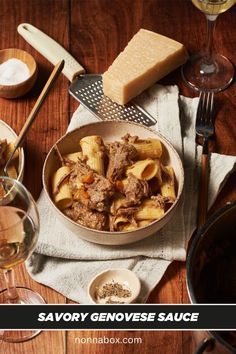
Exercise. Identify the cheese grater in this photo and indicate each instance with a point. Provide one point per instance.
(86, 88)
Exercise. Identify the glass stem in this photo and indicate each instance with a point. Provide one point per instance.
(10, 284)
(211, 24)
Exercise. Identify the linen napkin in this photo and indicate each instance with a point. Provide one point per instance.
(67, 263)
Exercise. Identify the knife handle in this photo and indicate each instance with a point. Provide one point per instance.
(50, 49)
(203, 194)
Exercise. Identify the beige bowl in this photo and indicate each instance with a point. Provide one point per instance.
(123, 276)
(20, 89)
(8, 133)
(111, 131)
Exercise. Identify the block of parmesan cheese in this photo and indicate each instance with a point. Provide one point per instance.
(147, 58)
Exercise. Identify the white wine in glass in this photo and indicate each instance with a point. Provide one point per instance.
(19, 237)
(213, 7)
(209, 71)
(19, 226)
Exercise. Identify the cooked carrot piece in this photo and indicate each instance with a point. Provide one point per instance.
(81, 194)
(88, 178)
(119, 185)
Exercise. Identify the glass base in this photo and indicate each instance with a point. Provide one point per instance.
(202, 76)
(26, 296)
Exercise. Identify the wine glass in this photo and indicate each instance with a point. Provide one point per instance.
(19, 226)
(209, 71)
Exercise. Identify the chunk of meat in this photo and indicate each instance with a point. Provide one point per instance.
(100, 192)
(166, 175)
(130, 138)
(79, 170)
(98, 188)
(162, 202)
(3, 146)
(126, 213)
(121, 155)
(2, 192)
(86, 217)
(135, 189)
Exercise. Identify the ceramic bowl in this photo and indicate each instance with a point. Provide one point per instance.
(111, 131)
(8, 133)
(125, 277)
(20, 89)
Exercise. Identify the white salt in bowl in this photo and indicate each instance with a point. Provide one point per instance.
(125, 277)
(112, 131)
(20, 89)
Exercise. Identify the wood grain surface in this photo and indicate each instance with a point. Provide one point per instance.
(95, 31)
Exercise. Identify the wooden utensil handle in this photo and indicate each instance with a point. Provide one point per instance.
(203, 193)
(54, 75)
(50, 49)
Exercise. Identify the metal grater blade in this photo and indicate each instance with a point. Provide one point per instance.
(87, 89)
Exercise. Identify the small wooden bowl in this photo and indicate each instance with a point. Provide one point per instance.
(123, 276)
(14, 91)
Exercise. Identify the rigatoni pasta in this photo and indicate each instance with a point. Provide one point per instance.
(6, 149)
(61, 189)
(93, 149)
(74, 156)
(9, 150)
(143, 169)
(115, 186)
(149, 148)
(142, 223)
(120, 222)
(12, 172)
(168, 185)
(116, 204)
(149, 210)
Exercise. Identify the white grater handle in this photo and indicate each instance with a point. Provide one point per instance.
(50, 49)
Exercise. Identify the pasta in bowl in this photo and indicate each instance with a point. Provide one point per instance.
(7, 139)
(112, 186)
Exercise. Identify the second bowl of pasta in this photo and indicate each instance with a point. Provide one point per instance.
(113, 182)
(7, 140)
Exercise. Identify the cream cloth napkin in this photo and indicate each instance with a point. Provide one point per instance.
(66, 263)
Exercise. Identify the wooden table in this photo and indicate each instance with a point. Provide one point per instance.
(95, 31)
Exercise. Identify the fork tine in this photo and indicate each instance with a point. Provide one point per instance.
(201, 104)
(211, 106)
(205, 107)
(205, 110)
(208, 106)
(200, 107)
(204, 125)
